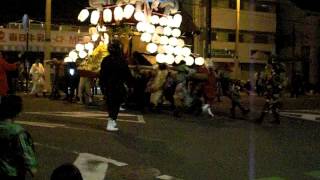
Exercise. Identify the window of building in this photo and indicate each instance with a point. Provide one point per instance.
(261, 38)
(232, 37)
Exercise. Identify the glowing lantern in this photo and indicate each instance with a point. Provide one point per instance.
(95, 37)
(170, 21)
(89, 46)
(189, 60)
(178, 59)
(180, 42)
(82, 54)
(107, 15)
(177, 20)
(176, 33)
(169, 58)
(163, 21)
(141, 27)
(169, 49)
(146, 37)
(161, 49)
(159, 30)
(186, 51)
(199, 61)
(139, 16)
(155, 19)
(152, 48)
(101, 28)
(118, 13)
(79, 47)
(173, 41)
(151, 28)
(83, 15)
(73, 55)
(178, 50)
(95, 15)
(155, 39)
(167, 31)
(67, 59)
(161, 58)
(128, 11)
(164, 40)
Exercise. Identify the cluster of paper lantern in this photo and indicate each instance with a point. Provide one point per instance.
(162, 33)
(163, 37)
(81, 51)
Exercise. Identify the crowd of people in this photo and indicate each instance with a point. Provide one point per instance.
(185, 89)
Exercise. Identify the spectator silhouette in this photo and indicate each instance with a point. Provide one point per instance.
(66, 171)
(17, 156)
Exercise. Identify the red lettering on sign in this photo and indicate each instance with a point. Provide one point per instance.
(2, 36)
(59, 39)
(73, 39)
(22, 37)
(31, 37)
(40, 37)
(13, 37)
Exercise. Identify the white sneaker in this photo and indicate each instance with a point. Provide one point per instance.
(210, 112)
(111, 126)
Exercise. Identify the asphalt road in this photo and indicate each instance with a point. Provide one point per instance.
(158, 146)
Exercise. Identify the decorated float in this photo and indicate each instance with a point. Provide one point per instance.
(156, 22)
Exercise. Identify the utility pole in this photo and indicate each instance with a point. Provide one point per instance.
(236, 48)
(208, 29)
(47, 44)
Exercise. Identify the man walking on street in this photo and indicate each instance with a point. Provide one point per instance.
(114, 74)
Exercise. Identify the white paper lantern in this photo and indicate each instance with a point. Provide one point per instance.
(199, 61)
(82, 54)
(164, 40)
(181, 42)
(118, 13)
(169, 49)
(173, 41)
(146, 37)
(161, 49)
(163, 21)
(89, 46)
(128, 11)
(73, 55)
(79, 47)
(68, 59)
(159, 30)
(176, 33)
(170, 59)
(155, 39)
(90, 52)
(151, 28)
(189, 60)
(139, 16)
(167, 31)
(186, 51)
(170, 21)
(152, 48)
(95, 15)
(107, 15)
(95, 37)
(155, 19)
(83, 15)
(177, 20)
(161, 58)
(178, 59)
(141, 26)
(178, 51)
(106, 36)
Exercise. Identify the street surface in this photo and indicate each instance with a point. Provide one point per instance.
(158, 146)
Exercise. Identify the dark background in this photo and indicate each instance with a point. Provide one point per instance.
(66, 11)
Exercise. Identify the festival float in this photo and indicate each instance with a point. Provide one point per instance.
(157, 24)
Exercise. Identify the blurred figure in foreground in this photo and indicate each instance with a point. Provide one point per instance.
(17, 156)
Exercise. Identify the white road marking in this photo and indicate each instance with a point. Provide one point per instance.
(305, 116)
(41, 124)
(165, 177)
(91, 115)
(94, 167)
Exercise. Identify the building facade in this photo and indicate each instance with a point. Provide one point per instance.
(257, 32)
(299, 41)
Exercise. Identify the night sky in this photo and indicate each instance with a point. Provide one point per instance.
(66, 11)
